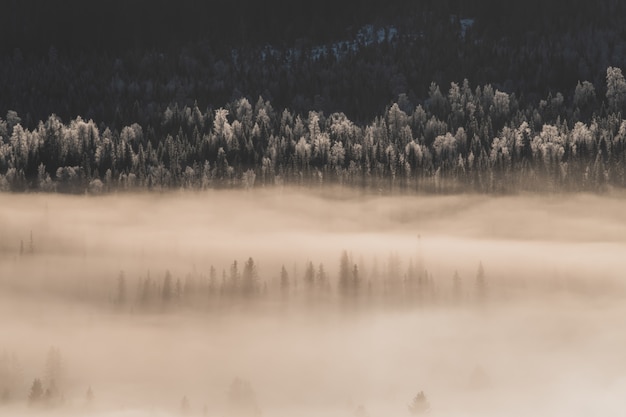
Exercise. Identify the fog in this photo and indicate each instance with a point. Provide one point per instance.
(135, 299)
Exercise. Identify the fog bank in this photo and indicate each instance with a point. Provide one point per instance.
(490, 305)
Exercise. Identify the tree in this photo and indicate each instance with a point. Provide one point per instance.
(166, 292)
(89, 395)
(36, 392)
(322, 279)
(345, 274)
(309, 276)
(615, 89)
(185, 409)
(242, 399)
(121, 289)
(481, 283)
(54, 369)
(457, 287)
(584, 98)
(31, 243)
(249, 278)
(284, 280)
(420, 404)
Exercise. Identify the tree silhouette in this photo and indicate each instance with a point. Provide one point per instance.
(242, 399)
(420, 404)
(167, 290)
(249, 278)
(345, 274)
(89, 396)
(54, 368)
(457, 287)
(121, 289)
(36, 392)
(481, 283)
(284, 280)
(185, 409)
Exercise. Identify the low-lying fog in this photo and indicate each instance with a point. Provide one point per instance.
(339, 304)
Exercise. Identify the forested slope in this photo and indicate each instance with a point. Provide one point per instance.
(195, 94)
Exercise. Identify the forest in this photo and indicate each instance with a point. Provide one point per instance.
(282, 208)
(478, 139)
(430, 97)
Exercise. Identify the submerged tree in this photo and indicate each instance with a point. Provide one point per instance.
(89, 395)
(121, 289)
(54, 368)
(167, 290)
(457, 287)
(185, 409)
(481, 283)
(36, 392)
(420, 404)
(242, 399)
(249, 278)
(284, 280)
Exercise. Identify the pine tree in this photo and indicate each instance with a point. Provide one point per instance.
(420, 404)
(457, 287)
(36, 392)
(166, 292)
(345, 275)
(284, 280)
(481, 283)
(89, 395)
(121, 289)
(185, 409)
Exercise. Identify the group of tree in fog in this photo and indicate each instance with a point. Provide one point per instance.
(45, 393)
(390, 282)
(479, 138)
(46, 390)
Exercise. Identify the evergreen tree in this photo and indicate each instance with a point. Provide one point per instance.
(185, 409)
(420, 405)
(284, 280)
(36, 392)
(166, 291)
(481, 283)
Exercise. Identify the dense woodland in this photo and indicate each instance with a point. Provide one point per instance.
(462, 137)
(429, 96)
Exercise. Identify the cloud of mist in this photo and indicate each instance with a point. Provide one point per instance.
(546, 341)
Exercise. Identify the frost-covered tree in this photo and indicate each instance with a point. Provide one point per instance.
(584, 98)
(615, 89)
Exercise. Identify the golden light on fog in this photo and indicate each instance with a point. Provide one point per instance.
(540, 336)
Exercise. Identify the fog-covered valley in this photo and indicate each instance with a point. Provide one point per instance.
(285, 302)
